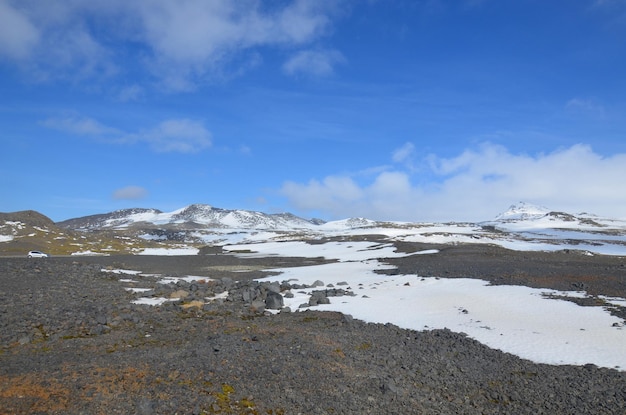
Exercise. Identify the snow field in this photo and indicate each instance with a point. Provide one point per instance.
(515, 319)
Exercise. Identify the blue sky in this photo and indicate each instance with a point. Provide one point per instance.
(389, 109)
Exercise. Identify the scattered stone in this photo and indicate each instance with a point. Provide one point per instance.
(273, 287)
(101, 318)
(257, 306)
(274, 301)
(70, 337)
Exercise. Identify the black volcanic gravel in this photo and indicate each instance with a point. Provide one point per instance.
(71, 342)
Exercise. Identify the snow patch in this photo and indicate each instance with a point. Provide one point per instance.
(121, 271)
(170, 251)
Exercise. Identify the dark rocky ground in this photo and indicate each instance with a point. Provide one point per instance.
(71, 342)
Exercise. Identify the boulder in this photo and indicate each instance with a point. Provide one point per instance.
(274, 301)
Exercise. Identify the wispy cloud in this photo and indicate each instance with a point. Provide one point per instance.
(18, 35)
(313, 62)
(329, 194)
(173, 135)
(130, 93)
(181, 43)
(615, 10)
(403, 153)
(585, 106)
(80, 126)
(475, 185)
(53, 41)
(601, 3)
(180, 135)
(130, 193)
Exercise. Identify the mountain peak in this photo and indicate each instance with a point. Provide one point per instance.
(522, 211)
(191, 212)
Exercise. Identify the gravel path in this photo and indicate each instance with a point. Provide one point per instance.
(71, 342)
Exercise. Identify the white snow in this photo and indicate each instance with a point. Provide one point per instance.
(16, 224)
(344, 251)
(188, 278)
(137, 290)
(522, 227)
(88, 253)
(6, 238)
(234, 236)
(219, 296)
(156, 301)
(515, 319)
(149, 237)
(151, 300)
(170, 251)
(121, 271)
(523, 211)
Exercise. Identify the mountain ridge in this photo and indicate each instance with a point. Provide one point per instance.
(136, 230)
(206, 216)
(198, 215)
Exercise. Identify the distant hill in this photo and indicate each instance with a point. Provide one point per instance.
(25, 231)
(28, 230)
(31, 217)
(106, 220)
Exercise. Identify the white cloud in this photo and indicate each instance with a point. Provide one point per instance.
(329, 195)
(130, 93)
(130, 193)
(202, 31)
(585, 107)
(79, 126)
(18, 35)
(180, 42)
(189, 40)
(404, 152)
(475, 185)
(53, 39)
(313, 62)
(177, 135)
(303, 21)
(173, 135)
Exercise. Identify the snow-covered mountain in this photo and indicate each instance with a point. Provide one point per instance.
(522, 227)
(196, 216)
(108, 220)
(201, 216)
(522, 211)
(525, 215)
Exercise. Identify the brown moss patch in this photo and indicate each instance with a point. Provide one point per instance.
(28, 393)
(194, 303)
